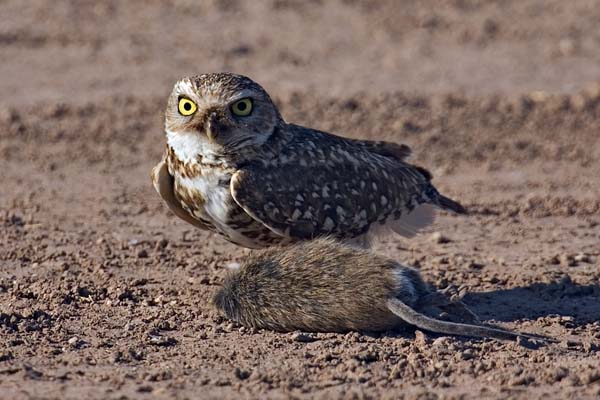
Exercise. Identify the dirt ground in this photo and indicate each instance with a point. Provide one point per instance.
(105, 294)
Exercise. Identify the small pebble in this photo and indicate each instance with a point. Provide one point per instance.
(466, 354)
(439, 238)
(241, 374)
(161, 244)
(582, 257)
(162, 341)
(145, 389)
(539, 96)
(421, 338)
(577, 102)
(566, 47)
(521, 380)
(475, 265)
(567, 260)
(302, 338)
(554, 260)
(442, 342)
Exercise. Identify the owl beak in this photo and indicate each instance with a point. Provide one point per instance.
(212, 126)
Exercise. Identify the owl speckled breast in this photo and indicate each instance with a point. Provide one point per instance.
(204, 194)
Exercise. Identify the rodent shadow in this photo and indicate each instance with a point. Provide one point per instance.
(564, 298)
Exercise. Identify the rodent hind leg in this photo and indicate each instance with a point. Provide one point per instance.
(453, 306)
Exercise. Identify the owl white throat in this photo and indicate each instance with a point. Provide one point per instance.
(188, 146)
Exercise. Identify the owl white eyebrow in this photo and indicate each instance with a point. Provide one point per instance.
(242, 95)
(185, 87)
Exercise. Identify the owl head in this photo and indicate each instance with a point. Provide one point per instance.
(222, 110)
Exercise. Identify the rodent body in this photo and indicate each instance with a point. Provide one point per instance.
(325, 286)
(318, 286)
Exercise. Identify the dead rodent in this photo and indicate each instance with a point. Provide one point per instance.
(325, 286)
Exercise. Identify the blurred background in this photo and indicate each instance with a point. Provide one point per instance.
(66, 50)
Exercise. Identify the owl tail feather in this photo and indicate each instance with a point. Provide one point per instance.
(409, 225)
(423, 216)
(451, 205)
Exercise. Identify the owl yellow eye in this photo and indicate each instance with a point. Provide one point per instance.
(186, 107)
(242, 107)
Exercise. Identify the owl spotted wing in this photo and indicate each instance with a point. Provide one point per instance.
(388, 149)
(340, 196)
(163, 183)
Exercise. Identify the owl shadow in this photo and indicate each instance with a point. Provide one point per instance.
(582, 302)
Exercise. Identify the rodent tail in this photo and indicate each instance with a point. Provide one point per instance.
(422, 321)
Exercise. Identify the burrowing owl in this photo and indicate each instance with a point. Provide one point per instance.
(234, 166)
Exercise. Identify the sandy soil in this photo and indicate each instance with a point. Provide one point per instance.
(104, 293)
